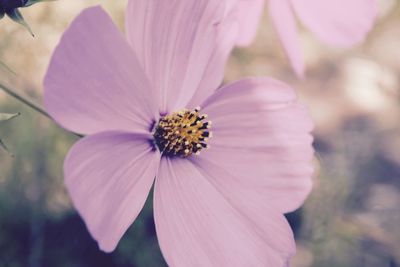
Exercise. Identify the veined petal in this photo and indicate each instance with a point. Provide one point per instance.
(108, 177)
(214, 72)
(250, 13)
(262, 142)
(285, 24)
(337, 22)
(175, 41)
(94, 82)
(197, 226)
(269, 94)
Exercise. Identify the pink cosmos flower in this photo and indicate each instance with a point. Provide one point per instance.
(135, 100)
(336, 22)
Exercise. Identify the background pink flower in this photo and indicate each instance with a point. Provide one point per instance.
(336, 22)
(221, 208)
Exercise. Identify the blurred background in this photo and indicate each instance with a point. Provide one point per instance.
(352, 217)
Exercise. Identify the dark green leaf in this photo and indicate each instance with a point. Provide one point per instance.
(16, 16)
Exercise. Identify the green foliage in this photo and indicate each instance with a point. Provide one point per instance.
(38, 224)
(11, 10)
(6, 117)
(16, 16)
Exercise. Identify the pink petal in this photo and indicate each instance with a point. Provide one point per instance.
(261, 142)
(285, 25)
(250, 13)
(108, 176)
(337, 22)
(212, 77)
(94, 81)
(175, 41)
(197, 226)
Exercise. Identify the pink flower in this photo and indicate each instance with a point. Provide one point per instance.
(135, 100)
(336, 22)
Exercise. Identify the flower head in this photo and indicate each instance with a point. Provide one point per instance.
(336, 22)
(137, 101)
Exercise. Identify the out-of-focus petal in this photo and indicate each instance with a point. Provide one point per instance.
(285, 25)
(261, 141)
(94, 82)
(337, 22)
(175, 41)
(197, 226)
(108, 177)
(250, 13)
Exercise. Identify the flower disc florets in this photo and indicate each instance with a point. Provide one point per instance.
(182, 133)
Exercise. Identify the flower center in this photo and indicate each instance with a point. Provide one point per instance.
(182, 133)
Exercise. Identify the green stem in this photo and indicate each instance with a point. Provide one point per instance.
(24, 100)
(29, 103)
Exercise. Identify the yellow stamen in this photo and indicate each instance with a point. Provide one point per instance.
(182, 133)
